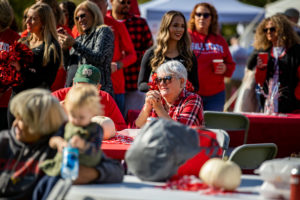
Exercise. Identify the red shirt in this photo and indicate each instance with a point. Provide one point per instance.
(111, 109)
(122, 45)
(187, 109)
(134, 8)
(141, 38)
(60, 79)
(205, 50)
(7, 38)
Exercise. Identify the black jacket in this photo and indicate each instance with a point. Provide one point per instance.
(288, 66)
(146, 70)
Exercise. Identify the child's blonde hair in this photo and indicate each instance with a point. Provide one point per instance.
(84, 95)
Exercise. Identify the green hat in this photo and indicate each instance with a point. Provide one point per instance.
(87, 74)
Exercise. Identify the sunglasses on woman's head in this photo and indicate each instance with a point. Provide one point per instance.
(272, 29)
(205, 15)
(123, 2)
(80, 17)
(166, 79)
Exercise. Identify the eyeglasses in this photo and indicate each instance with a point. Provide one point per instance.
(272, 29)
(123, 2)
(205, 15)
(80, 17)
(165, 80)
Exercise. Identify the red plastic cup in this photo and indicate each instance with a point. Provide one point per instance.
(264, 57)
(216, 63)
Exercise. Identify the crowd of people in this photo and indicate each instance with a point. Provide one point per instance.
(88, 61)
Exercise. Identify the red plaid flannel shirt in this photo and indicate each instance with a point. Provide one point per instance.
(141, 37)
(187, 109)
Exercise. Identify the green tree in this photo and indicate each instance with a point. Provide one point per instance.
(19, 7)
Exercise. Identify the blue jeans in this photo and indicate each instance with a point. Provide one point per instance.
(120, 100)
(215, 102)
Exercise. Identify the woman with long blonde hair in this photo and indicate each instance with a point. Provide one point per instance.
(276, 37)
(173, 43)
(47, 54)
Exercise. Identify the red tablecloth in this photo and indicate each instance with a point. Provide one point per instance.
(117, 146)
(115, 151)
(284, 131)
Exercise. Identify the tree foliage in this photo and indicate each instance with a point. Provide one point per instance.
(20, 5)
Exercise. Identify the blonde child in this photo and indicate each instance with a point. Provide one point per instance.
(81, 105)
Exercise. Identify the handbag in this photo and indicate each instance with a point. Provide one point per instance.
(247, 100)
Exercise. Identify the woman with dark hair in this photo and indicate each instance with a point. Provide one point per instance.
(173, 43)
(208, 45)
(276, 37)
(68, 8)
(94, 46)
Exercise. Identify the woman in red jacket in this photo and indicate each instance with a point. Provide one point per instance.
(208, 45)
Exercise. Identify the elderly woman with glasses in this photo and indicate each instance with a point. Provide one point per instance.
(276, 37)
(208, 45)
(94, 46)
(172, 100)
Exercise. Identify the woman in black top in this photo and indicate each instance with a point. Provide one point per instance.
(173, 43)
(47, 54)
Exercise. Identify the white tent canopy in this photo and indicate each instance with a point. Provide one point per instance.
(229, 11)
(281, 6)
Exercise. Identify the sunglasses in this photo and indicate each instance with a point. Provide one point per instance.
(205, 15)
(80, 17)
(272, 29)
(165, 80)
(124, 2)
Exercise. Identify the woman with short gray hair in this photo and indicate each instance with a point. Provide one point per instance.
(174, 67)
(172, 100)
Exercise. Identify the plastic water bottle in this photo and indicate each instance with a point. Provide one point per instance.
(70, 163)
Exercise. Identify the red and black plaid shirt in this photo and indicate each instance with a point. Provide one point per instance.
(141, 37)
(187, 109)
